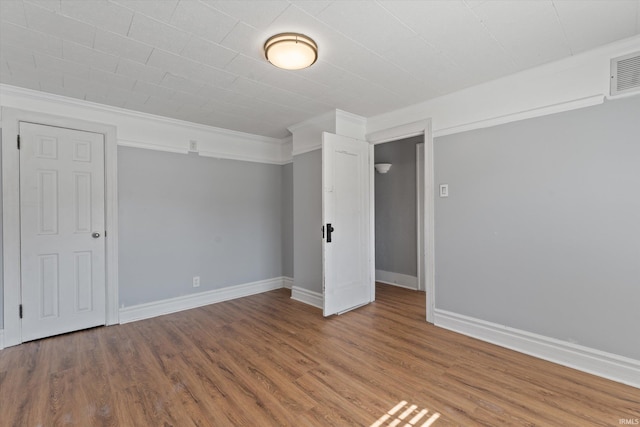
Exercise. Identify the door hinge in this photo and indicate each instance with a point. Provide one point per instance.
(20, 310)
(105, 233)
(18, 142)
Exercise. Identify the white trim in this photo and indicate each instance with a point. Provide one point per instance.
(313, 121)
(395, 133)
(148, 131)
(351, 118)
(556, 83)
(227, 155)
(1, 339)
(286, 150)
(603, 364)
(187, 302)
(522, 115)
(621, 96)
(421, 127)
(149, 146)
(372, 222)
(307, 149)
(429, 261)
(112, 234)
(242, 157)
(351, 125)
(420, 218)
(11, 118)
(307, 135)
(308, 297)
(64, 100)
(397, 279)
(287, 282)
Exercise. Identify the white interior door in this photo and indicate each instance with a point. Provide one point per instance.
(62, 230)
(345, 212)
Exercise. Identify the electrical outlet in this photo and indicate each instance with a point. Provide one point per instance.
(196, 281)
(193, 145)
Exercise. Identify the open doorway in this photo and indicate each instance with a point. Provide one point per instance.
(424, 217)
(399, 217)
(396, 213)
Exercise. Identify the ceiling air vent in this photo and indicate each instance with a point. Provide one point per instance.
(625, 74)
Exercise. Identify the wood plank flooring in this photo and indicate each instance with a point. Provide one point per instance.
(268, 360)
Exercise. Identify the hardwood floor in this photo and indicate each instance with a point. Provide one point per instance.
(268, 360)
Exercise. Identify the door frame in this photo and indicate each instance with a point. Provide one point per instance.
(11, 119)
(420, 214)
(427, 264)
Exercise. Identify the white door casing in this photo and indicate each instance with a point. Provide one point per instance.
(347, 279)
(11, 119)
(427, 261)
(420, 214)
(62, 206)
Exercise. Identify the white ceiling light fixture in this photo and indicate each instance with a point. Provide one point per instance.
(291, 51)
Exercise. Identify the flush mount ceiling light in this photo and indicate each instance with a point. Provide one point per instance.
(291, 51)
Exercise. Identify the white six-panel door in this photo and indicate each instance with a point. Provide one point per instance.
(345, 205)
(62, 230)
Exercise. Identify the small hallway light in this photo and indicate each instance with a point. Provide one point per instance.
(382, 167)
(291, 51)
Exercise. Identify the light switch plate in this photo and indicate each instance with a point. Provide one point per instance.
(444, 190)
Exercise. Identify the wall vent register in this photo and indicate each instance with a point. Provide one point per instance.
(625, 74)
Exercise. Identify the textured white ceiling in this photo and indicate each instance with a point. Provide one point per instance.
(202, 61)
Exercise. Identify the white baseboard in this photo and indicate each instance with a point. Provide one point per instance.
(1, 339)
(186, 302)
(397, 279)
(596, 362)
(287, 282)
(308, 297)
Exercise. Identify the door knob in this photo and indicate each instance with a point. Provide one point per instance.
(95, 235)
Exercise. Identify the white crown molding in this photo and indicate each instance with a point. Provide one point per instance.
(306, 149)
(7, 90)
(406, 130)
(247, 157)
(273, 160)
(308, 297)
(351, 125)
(522, 115)
(186, 302)
(352, 118)
(307, 135)
(313, 121)
(286, 150)
(148, 131)
(149, 146)
(603, 364)
(538, 91)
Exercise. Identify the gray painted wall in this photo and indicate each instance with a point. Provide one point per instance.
(307, 220)
(541, 229)
(395, 212)
(287, 220)
(184, 215)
